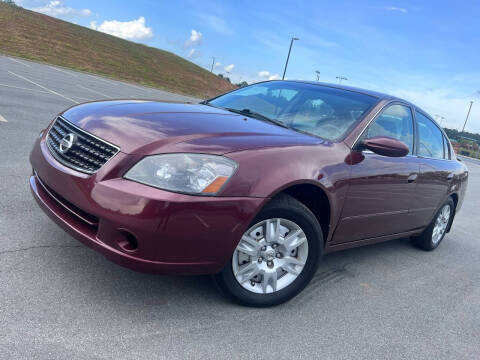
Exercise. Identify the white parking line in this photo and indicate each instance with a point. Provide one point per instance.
(43, 87)
(115, 82)
(41, 91)
(82, 98)
(102, 79)
(22, 88)
(134, 86)
(94, 91)
(2, 119)
(63, 71)
(20, 62)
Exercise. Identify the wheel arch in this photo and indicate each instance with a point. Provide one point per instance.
(315, 198)
(454, 197)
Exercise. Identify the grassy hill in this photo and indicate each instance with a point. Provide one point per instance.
(35, 36)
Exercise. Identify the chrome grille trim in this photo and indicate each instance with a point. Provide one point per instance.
(88, 154)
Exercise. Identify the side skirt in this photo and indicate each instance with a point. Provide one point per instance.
(329, 248)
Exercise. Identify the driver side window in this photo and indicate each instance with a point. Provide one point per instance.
(396, 122)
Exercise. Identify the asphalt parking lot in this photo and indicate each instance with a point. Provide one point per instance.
(59, 299)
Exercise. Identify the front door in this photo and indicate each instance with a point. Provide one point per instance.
(381, 188)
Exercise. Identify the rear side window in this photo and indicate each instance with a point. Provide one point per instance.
(430, 138)
(396, 122)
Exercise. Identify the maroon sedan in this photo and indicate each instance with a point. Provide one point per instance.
(252, 186)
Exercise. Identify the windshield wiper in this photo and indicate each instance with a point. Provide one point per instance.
(248, 112)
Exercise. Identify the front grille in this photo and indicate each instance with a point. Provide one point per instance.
(87, 152)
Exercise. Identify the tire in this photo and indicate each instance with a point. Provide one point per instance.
(430, 239)
(281, 273)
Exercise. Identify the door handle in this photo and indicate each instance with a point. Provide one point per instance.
(412, 178)
(450, 177)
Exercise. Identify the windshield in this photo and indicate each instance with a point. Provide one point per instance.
(315, 109)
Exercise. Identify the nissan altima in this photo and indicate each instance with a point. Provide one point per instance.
(253, 186)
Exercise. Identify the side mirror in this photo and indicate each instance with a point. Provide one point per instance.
(386, 146)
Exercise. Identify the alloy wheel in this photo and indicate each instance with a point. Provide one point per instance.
(441, 224)
(270, 256)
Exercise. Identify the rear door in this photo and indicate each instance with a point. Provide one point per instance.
(437, 170)
(381, 188)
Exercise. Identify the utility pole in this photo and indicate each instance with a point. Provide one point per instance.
(468, 114)
(318, 75)
(288, 56)
(213, 63)
(340, 78)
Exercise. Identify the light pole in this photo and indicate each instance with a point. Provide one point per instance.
(318, 75)
(439, 118)
(288, 56)
(468, 114)
(340, 78)
(213, 63)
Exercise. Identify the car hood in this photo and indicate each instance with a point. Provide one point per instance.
(148, 127)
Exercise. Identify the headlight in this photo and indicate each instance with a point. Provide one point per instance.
(186, 173)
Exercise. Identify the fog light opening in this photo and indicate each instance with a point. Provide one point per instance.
(128, 242)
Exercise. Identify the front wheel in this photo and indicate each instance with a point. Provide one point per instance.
(276, 257)
(435, 232)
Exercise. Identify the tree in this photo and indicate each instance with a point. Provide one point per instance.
(9, 2)
(242, 84)
(458, 135)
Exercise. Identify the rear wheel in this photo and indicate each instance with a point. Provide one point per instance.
(276, 257)
(435, 232)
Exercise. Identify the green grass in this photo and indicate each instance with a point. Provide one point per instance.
(39, 37)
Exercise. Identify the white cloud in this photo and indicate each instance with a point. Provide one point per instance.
(395, 8)
(130, 30)
(57, 9)
(217, 64)
(267, 75)
(229, 68)
(194, 39)
(216, 23)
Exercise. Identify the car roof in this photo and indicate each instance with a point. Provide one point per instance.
(344, 87)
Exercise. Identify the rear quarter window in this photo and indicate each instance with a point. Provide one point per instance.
(430, 138)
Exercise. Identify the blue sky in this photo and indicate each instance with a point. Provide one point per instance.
(425, 51)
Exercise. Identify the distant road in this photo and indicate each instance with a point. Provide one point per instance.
(469, 159)
(61, 300)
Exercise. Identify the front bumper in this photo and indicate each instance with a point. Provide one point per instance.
(175, 233)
